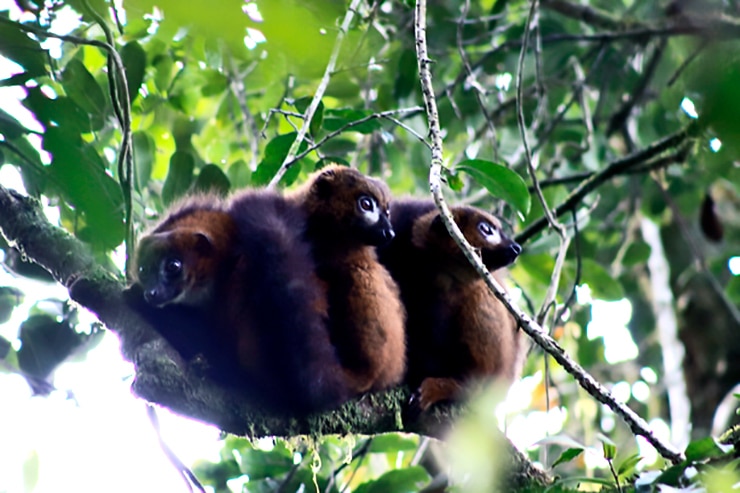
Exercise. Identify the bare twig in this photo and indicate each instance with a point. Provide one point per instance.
(184, 471)
(534, 330)
(551, 219)
(308, 114)
(383, 114)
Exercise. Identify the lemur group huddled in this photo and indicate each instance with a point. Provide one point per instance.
(304, 300)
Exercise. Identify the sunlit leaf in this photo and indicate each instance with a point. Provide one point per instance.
(397, 481)
(500, 181)
(392, 442)
(568, 455)
(705, 448)
(16, 45)
(627, 466)
(258, 464)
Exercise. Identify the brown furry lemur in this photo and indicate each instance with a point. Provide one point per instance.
(347, 216)
(235, 283)
(457, 331)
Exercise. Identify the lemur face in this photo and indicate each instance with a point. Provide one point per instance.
(482, 231)
(167, 264)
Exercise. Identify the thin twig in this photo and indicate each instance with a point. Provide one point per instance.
(534, 330)
(308, 115)
(552, 289)
(344, 128)
(184, 471)
(618, 167)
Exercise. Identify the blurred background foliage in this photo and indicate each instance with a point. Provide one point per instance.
(218, 90)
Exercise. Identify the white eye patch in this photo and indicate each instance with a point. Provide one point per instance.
(369, 210)
(489, 233)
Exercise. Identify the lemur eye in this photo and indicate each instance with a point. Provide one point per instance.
(485, 228)
(366, 203)
(173, 267)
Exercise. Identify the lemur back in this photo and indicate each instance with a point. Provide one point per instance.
(347, 217)
(457, 330)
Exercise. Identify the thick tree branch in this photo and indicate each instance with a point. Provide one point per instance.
(161, 376)
(638, 425)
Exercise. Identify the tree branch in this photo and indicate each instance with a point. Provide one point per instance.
(308, 115)
(638, 425)
(620, 166)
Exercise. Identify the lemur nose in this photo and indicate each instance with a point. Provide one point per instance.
(516, 248)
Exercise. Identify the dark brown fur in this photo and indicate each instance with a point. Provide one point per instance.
(366, 317)
(259, 318)
(457, 330)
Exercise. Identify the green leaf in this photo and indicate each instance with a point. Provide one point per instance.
(79, 173)
(10, 128)
(179, 176)
(336, 119)
(10, 298)
(16, 45)
(62, 111)
(275, 153)
(239, 174)
(215, 83)
(568, 455)
(392, 442)
(610, 449)
(407, 78)
(134, 60)
(83, 89)
(626, 468)
(637, 253)
(212, 179)
(603, 285)
(318, 117)
(706, 448)
(145, 154)
(500, 181)
(163, 65)
(8, 356)
(407, 480)
(258, 464)
(339, 147)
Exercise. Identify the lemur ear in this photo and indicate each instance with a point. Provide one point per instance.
(323, 184)
(437, 226)
(203, 243)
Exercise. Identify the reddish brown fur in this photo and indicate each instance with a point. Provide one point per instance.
(260, 324)
(182, 233)
(366, 317)
(458, 332)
